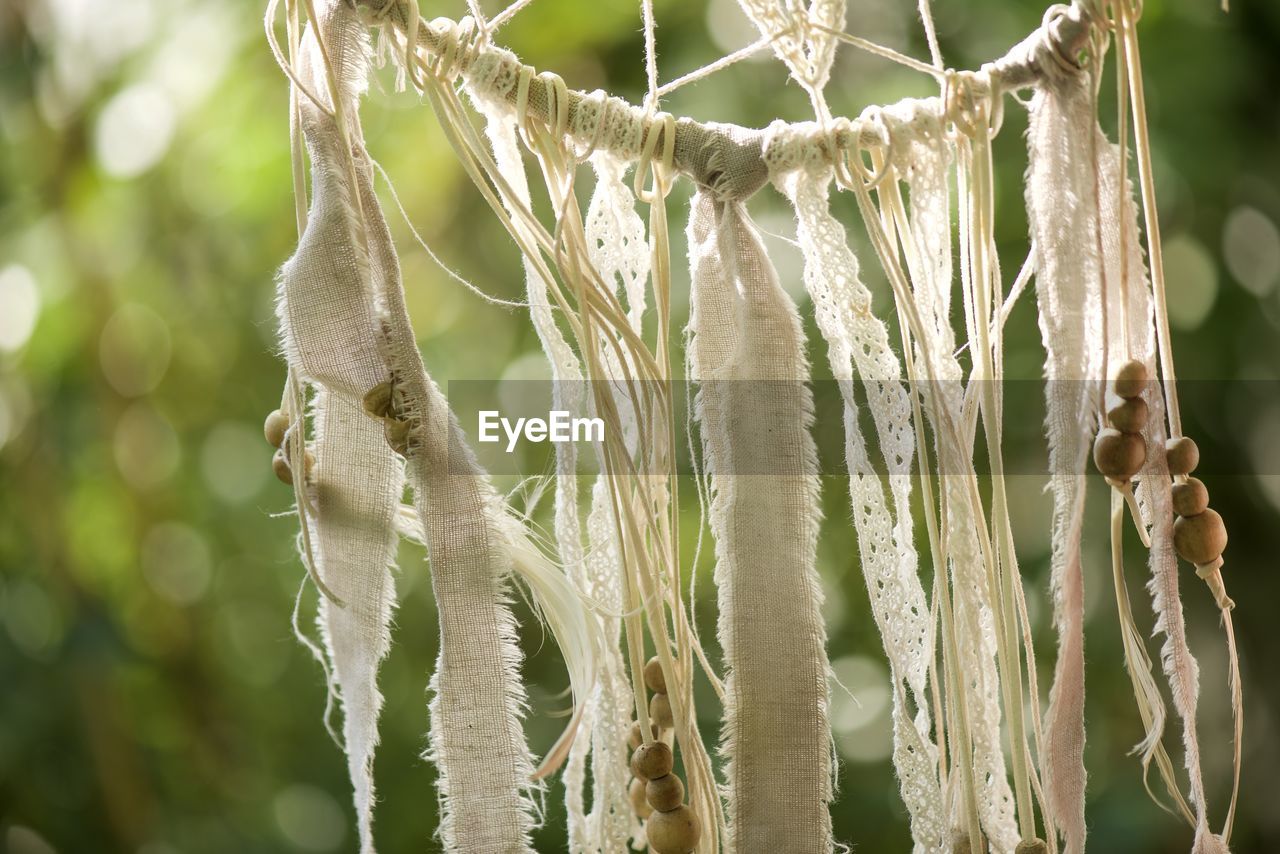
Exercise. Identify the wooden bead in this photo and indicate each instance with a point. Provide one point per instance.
(1119, 455)
(397, 433)
(377, 400)
(652, 760)
(638, 802)
(634, 740)
(274, 428)
(1130, 416)
(309, 461)
(653, 677)
(1200, 539)
(280, 466)
(1131, 379)
(660, 711)
(961, 844)
(665, 793)
(1182, 455)
(1190, 498)
(673, 832)
(1031, 846)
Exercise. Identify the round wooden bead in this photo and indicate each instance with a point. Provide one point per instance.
(665, 793)
(638, 802)
(280, 466)
(1119, 455)
(1129, 416)
(274, 427)
(1182, 455)
(1131, 379)
(653, 677)
(634, 740)
(660, 711)
(1031, 846)
(1190, 498)
(308, 458)
(1200, 539)
(673, 832)
(652, 760)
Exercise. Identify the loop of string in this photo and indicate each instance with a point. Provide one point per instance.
(460, 43)
(661, 126)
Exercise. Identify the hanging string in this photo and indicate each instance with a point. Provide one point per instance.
(930, 33)
(650, 55)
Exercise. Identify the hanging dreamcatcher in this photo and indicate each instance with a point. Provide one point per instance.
(980, 765)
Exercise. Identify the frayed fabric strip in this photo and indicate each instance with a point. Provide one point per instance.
(747, 355)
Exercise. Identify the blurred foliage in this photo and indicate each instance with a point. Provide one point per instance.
(152, 696)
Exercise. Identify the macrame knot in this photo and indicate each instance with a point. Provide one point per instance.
(968, 100)
(726, 160)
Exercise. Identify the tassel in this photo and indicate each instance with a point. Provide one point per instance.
(747, 353)
(1061, 194)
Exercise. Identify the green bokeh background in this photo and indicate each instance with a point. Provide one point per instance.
(152, 696)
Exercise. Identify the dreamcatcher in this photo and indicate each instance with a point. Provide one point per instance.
(979, 766)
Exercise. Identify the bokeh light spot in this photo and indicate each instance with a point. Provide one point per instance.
(310, 818)
(134, 349)
(860, 723)
(234, 461)
(146, 447)
(31, 619)
(1251, 248)
(19, 306)
(1191, 281)
(176, 563)
(134, 131)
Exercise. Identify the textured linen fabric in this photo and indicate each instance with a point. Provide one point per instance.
(1063, 214)
(747, 354)
(329, 337)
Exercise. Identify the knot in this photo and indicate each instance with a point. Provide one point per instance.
(972, 101)
(728, 161)
(1212, 576)
(1064, 32)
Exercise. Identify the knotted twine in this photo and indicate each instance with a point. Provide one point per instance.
(747, 353)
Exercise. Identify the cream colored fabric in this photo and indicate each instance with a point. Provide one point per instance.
(747, 354)
(485, 769)
(1061, 206)
(330, 340)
